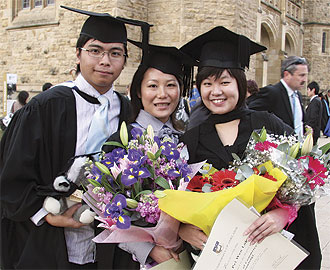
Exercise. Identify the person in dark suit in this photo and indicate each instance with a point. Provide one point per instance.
(313, 115)
(281, 98)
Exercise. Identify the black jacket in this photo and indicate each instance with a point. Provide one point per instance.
(275, 99)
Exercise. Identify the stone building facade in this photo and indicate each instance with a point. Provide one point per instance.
(38, 37)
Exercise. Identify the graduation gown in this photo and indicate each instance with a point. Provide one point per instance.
(204, 144)
(34, 150)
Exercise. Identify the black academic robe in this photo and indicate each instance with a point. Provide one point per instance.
(34, 149)
(325, 116)
(313, 117)
(204, 144)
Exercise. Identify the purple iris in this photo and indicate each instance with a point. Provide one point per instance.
(136, 133)
(107, 162)
(115, 211)
(136, 156)
(170, 153)
(131, 175)
(174, 173)
(157, 140)
(96, 174)
(182, 170)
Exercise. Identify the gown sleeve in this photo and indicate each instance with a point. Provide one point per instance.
(33, 151)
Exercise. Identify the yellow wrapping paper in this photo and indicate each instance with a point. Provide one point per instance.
(202, 209)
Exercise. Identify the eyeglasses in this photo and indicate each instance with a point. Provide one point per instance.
(298, 61)
(97, 53)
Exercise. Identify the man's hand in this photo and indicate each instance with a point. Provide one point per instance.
(193, 235)
(65, 220)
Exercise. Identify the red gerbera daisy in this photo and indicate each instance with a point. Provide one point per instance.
(314, 173)
(223, 179)
(197, 182)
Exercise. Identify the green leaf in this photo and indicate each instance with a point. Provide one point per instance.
(143, 192)
(102, 168)
(207, 188)
(284, 147)
(94, 182)
(159, 194)
(263, 135)
(126, 212)
(245, 170)
(255, 136)
(151, 156)
(106, 184)
(158, 153)
(263, 170)
(236, 157)
(137, 187)
(162, 182)
(114, 144)
(123, 134)
(325, 148)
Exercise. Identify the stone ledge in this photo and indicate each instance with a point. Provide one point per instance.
(30, 25)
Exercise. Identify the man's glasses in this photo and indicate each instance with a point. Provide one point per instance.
(298, 61)
(98, 53)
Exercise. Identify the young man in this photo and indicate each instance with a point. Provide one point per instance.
(37, 146)
(284, 98)
(313, 115)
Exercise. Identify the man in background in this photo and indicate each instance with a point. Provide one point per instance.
(313, 115)
(284, 98)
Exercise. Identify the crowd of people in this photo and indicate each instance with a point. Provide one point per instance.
(75, 118)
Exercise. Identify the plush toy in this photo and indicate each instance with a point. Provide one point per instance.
(73, 179)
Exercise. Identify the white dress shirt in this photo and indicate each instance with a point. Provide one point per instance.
(298, 105)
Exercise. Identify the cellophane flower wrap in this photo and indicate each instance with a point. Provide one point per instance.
(272, 165)
(306, 166)
(126, 184)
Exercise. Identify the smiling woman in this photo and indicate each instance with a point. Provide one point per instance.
(223, 57)
(155, 91)
(160, 93)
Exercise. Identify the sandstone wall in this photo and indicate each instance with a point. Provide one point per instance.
(39, 44)
(317, 22)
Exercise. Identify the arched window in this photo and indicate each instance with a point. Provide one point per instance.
(324, 42)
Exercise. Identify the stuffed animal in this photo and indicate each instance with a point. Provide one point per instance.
(74, 178)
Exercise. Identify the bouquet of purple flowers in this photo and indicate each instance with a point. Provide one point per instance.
(126, 183)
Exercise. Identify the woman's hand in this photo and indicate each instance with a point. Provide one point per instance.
(193, 235)
(269, 223)
(65, 220)
(161, 254)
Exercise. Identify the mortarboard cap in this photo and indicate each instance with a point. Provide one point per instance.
(222, 48)
(168, 60)
(106, 28)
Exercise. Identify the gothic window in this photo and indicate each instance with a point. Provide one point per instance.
(324, 41)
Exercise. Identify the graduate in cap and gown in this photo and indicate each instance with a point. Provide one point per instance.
(163, 76)
(41, 140)
(222, 57)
